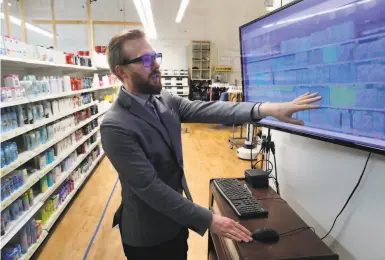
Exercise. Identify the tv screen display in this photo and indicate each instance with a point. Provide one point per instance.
(333, 47)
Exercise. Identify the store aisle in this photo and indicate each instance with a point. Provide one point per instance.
(206, 155)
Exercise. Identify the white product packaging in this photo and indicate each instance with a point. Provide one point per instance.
(11, 80)
(67, 83)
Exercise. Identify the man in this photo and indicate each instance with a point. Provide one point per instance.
(141, 135)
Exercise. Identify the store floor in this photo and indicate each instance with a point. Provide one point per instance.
(85, 231)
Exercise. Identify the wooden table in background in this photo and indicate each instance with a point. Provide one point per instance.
(304, 245)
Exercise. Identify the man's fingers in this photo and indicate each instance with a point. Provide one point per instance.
(303, 95)
(309, 100)
(306, 96)
(243, 235)
(242, 228)
(234, 234)
(293, 121)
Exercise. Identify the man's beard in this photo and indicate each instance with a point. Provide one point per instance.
(150, 86)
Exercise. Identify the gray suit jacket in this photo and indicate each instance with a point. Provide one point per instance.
(148, 158)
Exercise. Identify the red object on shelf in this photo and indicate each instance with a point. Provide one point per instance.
(98, 49)
(86, 53)
(70, 58)
(104, 49)
(81, 53)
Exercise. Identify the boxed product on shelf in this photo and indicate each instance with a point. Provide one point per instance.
(14, 47)
(23, 240)
(11, 183)
(9, 153)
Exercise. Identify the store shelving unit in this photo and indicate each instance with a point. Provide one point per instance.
(200, 61)
(176, 81)
(22, 66)
(17, 63)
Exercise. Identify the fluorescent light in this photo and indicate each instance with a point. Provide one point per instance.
(182, 9)
(29, 26)
(145, 14)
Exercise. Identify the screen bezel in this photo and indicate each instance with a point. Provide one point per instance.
(295, 132)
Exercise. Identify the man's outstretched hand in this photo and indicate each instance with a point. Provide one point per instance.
(284, 111)
(227, 227)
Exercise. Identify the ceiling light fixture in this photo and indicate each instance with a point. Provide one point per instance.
(145, 14)
(29, 26)
(182, 9)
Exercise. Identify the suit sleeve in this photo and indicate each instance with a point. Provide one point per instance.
(137, 172)
(218, 112)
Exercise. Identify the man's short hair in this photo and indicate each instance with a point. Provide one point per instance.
(115, 54)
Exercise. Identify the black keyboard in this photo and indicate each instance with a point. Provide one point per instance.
(239, 198)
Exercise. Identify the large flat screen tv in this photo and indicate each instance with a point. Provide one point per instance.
(333, 47)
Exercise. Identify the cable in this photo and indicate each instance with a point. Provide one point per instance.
(276, 174)
(251, 150)
(350, 196)
(268, 170)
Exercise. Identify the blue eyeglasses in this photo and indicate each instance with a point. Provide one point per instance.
(146, 59)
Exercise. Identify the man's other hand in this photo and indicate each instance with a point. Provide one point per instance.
(284, 111)
(226, 227)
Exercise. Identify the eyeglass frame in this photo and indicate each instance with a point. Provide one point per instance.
(140, 59)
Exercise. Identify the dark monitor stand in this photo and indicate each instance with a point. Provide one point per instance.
(304, 245)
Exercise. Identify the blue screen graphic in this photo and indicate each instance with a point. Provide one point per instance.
(333, 47)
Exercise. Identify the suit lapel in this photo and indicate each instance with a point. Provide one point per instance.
(139, 111)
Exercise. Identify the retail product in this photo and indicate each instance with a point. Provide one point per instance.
(10, 152)
(9, 119)
(11, 80)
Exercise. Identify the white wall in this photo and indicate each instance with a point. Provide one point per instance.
(316, 179)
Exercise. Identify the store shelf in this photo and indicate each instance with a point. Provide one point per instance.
(35, 246)
(78, 184)
(174, 86)
(174, 76)
(65, 175)
(17, 224)
(59, 95)
(17, 63)
(35, 177)
(21, 130)
(28, 155)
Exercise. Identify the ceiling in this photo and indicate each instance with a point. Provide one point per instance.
(217, 20)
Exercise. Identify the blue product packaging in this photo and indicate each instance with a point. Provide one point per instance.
(6, 217)
(14, 211)
(50, 132)
(18, 247)
(49, 179)
(43, 135)
(10, 254)
(14, 123)
(7, 152)
(35, 113)
(19, 203)
(33, 140)
(51, 155)
(38, 138)
(2, 163)
(27, 142)
(15, 153)
(23, 240)
(40, 110)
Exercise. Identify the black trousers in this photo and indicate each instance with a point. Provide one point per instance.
(175, 249)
